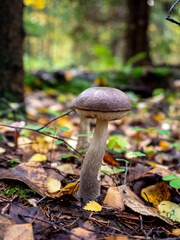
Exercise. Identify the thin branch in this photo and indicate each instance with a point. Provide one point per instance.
(46, 134)
(54, 119)
(169, 18)
(54, 225)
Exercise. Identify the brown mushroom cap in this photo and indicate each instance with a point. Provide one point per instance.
(102, 102)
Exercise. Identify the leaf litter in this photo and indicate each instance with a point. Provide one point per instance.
(137, 199)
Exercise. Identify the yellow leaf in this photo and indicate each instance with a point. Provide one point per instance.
(38, 158)
(39, 4)
(93, 206)
(164, 144)
(170, 210)
(176, 232)
(157, 118)
(28, 2)
(70, 188)
(156, 193)
(53, 185)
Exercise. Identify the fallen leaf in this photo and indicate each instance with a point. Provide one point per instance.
(2, 150)
(70, 188)
(116, 238)
(66, 168)
(53, 185)
(19, 231)
(169, 210)
(23, 142)
(132, 201)
(4, 224)
(82, 233)
(110, 160)
(156, 193)
(164, 144)
(38, 157)
(31, 174)
(114, 198)
(93, 206)
(176, 232)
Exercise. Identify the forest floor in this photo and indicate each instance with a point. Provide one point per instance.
(140, 174)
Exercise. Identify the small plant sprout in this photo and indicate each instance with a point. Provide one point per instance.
(105, 104)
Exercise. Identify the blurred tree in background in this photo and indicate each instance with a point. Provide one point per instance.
(11, 50)
(98, 34)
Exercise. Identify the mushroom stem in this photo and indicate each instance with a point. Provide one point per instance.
(89, 188)
(83, 142)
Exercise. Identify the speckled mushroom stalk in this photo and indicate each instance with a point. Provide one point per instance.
(89, 188)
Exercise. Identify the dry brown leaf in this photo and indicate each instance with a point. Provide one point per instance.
(114, 198)
(19, 231)
(164, 172)
(176, 232)
(156, 193)
(83, 233)
(110, 160)
(138, 206)
(116, 238)
(66, 168)
(31, 174)
(4, 224)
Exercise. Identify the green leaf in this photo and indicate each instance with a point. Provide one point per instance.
(139, 154)
(68, 155)
(163, 132)
(121, 159)
(32, 127)
(170, 177)
(122, 143)
(105, 171)
(138, 129)
(84, 135)
(59, 142)
(119, 170)
(63, 128)
(175, 145)
(175, 183)
(111, 142)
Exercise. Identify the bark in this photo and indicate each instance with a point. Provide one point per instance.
(136, 40)
(11, 50)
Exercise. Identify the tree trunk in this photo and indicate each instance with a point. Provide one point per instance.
(136, 40)
(11, 50)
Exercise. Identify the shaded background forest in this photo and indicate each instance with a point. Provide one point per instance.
(72, 45)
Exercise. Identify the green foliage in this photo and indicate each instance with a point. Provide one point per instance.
(17, 190)
(117, 139)
(68, 155)
(75, 86)
(14, 162)
(160, 131)
(113, 171)
(174, 181)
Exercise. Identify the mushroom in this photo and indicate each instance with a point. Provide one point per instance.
(104, 104)
(84, 128)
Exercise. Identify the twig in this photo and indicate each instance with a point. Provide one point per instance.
(169, 18)
(39, 130)
(54, 119)
(53, 224)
